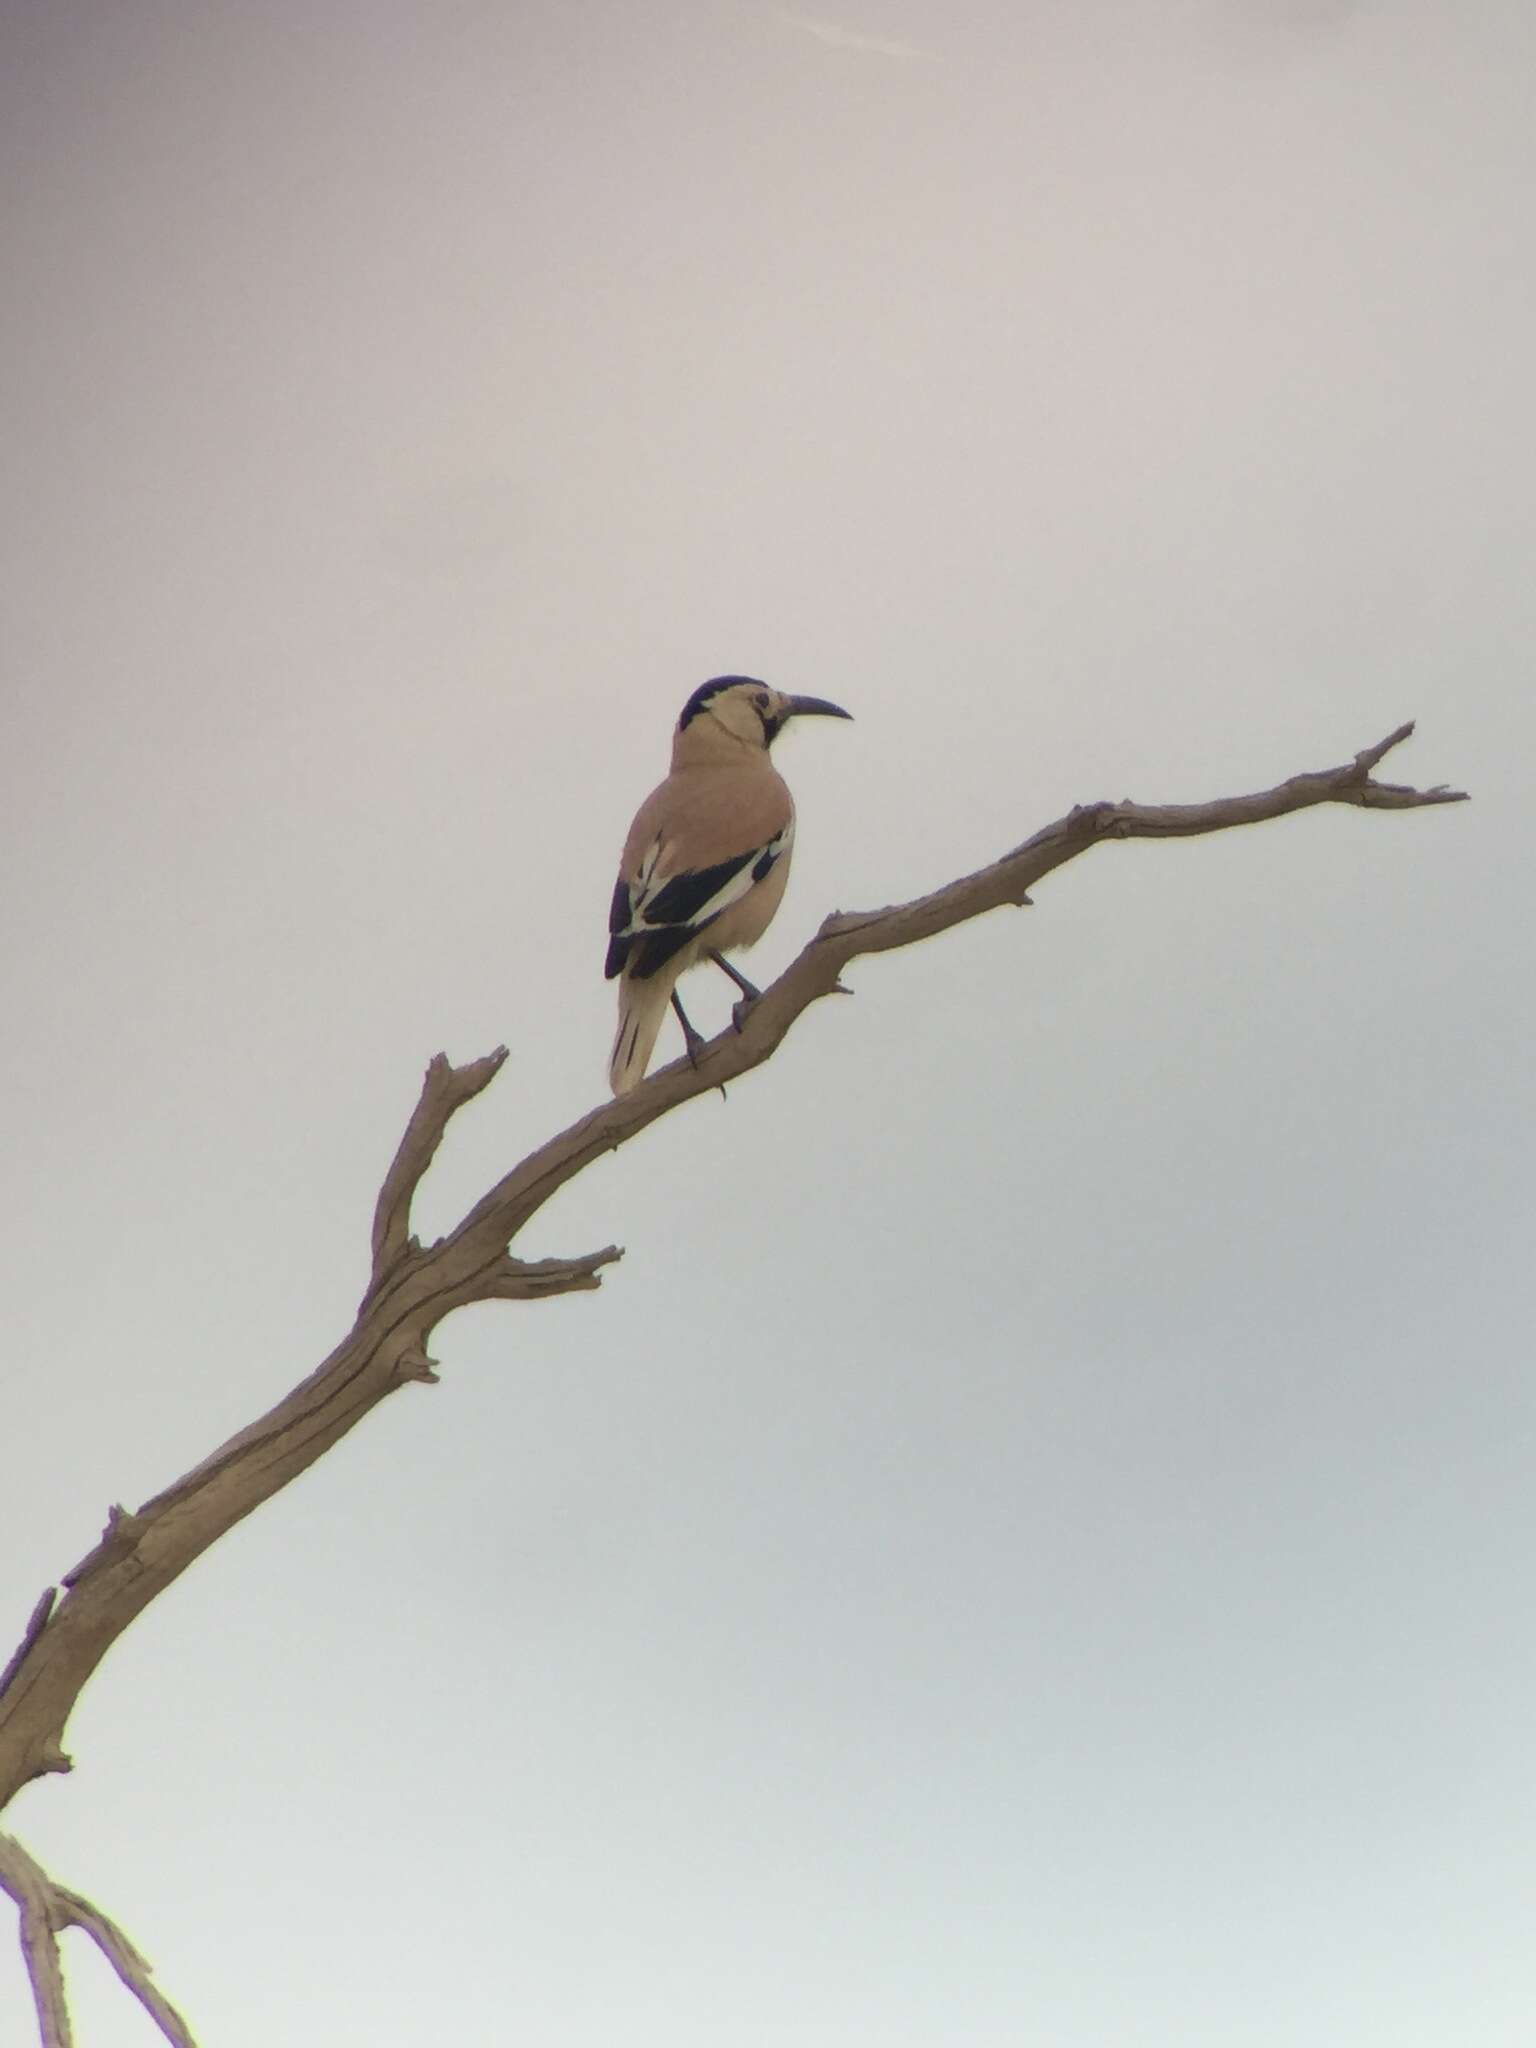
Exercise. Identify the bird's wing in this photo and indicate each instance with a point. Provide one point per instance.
(692, 853)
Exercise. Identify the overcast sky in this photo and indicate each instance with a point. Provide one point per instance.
(1034, 1543)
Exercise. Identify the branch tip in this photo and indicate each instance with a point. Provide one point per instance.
(1369, 757)
(474, 1075)
(513, 1279)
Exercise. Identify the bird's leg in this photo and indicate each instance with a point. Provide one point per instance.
(691, 1038)
(749, 990)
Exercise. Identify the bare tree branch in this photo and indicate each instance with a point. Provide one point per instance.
(413, 1288)
(521, 1193)
(46, 1910)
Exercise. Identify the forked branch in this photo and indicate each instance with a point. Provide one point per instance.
(46, 1909)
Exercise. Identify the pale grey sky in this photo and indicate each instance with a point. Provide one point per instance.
(1033, 1544)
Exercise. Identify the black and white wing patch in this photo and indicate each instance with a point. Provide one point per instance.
(657, 913)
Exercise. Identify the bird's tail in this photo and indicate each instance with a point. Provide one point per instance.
(642, 1007)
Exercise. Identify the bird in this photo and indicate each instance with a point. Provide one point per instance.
(704, 866)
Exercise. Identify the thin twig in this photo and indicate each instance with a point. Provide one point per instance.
(444, 1089)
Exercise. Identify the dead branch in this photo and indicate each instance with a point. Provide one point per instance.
(46, 1910)
(412, 1288)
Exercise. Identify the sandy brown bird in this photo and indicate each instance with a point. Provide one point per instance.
(706, 860)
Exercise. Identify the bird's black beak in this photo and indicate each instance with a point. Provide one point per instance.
(813, 707)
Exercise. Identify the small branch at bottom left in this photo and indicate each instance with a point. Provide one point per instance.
(46, 1909)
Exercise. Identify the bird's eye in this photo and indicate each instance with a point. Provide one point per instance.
(761, 700)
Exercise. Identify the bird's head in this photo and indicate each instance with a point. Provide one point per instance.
(742, 709)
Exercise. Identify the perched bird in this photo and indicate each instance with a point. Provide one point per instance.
(706, 860)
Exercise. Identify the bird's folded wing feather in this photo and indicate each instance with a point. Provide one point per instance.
(691, 855)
